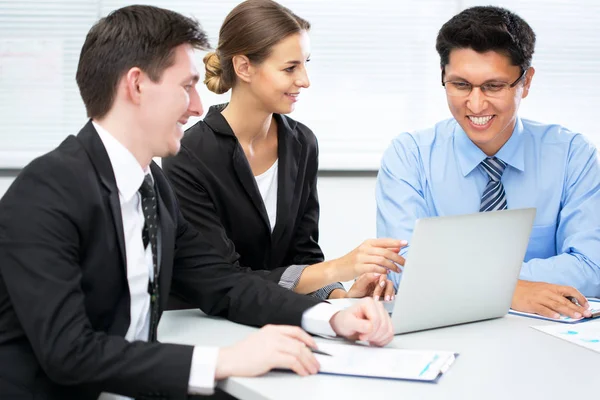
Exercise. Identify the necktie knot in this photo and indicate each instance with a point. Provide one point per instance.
(494, 167)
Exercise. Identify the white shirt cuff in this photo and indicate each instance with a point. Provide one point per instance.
(316, 319)
(202, 372)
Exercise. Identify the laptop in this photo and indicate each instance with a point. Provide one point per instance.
(461, 268)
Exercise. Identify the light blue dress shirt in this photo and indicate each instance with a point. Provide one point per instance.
(436, 172)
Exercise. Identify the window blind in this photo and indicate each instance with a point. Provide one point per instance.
(374, 69)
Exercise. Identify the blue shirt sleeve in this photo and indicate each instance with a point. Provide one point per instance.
(577, 262)
(399, 193)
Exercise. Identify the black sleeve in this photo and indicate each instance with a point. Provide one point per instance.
(40, 250)
(205, 279)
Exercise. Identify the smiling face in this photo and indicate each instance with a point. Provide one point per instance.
(166, 105)
(487, 121)
(277, 81)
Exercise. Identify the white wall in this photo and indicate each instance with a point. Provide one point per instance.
(347, 212)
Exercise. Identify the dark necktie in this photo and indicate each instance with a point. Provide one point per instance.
(494, 197)
(149, 236)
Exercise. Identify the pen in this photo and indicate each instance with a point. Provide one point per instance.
(317, 351)
(573, 300)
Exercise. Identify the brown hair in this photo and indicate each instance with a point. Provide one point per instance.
(134, 36)
(252, 28)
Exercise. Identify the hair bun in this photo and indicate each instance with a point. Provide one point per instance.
(213, 78)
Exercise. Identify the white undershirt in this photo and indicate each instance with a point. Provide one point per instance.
(267, 186)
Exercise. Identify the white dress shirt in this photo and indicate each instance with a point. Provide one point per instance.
(267, 186)
(129, 176)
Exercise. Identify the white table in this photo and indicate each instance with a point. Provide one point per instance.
(499, 359)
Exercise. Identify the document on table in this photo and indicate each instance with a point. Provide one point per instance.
(377, 362)
(586, 335)
(594, 308)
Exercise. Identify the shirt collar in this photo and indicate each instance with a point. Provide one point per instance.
(470, 156)
(129, 175)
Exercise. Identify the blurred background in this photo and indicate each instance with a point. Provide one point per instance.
(374, 74)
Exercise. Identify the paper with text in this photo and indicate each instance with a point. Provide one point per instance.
(423, 365)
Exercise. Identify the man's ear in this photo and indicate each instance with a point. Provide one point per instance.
(528, 79)
(242, 68)
(134, 82)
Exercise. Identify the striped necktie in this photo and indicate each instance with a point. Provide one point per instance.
(494, 197)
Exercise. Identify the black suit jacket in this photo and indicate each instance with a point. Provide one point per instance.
(64, 297)
(216, 189)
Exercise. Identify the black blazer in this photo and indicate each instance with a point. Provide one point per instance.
(64, 297)
(216, 189)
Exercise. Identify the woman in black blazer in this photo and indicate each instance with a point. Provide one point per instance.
(247, 174)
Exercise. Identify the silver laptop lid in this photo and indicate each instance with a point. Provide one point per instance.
(461, 268)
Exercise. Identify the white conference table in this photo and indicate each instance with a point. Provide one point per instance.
(499, 359)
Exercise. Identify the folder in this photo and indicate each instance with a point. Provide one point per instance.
(381, 362)
(594, 308)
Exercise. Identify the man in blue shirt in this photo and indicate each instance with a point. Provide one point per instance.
(486, 158)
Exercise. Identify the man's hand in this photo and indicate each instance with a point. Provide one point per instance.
(372, 285)
(373, 255)
(549, 300)
(366, 320)
(271, 347)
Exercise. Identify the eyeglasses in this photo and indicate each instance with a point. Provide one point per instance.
(491, 89)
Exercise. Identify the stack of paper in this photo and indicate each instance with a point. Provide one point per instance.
(586, 335)
(356, 360)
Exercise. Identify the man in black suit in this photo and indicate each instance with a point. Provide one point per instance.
(92, 240)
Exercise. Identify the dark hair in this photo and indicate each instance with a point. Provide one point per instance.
(134, 36)
(487, 28)
(252, 28)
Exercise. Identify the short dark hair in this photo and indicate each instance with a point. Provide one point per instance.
(134, 36)
(487, 28)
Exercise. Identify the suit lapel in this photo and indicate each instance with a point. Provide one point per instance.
(244, 174)
(215, 120)
(289, 154)
(115, 208)
(97, 153)
(167, 237)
